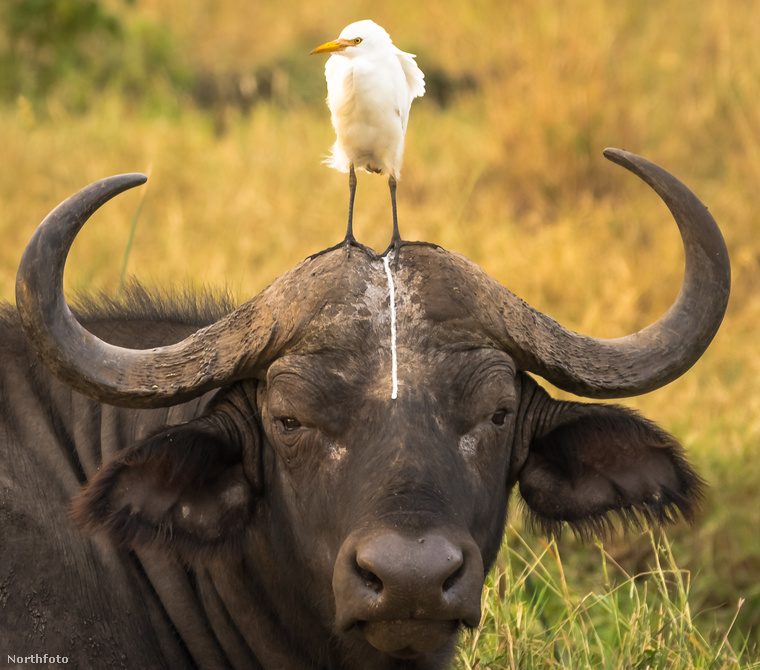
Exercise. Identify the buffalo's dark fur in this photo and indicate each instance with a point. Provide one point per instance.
(124, 316)
(136, 305)
(223, 522)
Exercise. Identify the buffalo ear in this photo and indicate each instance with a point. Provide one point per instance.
(601, 461)
(182, 490)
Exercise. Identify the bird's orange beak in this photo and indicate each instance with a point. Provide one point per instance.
(332, 47)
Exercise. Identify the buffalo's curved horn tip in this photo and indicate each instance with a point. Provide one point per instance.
(657, 354)
(155, 377)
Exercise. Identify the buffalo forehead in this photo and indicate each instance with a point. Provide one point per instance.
(334, 300)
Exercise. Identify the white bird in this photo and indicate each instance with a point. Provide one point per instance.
(370, 88)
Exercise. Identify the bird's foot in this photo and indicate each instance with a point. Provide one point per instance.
(397, 243)
(348, 242)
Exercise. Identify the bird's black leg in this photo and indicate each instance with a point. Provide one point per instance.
(396, 237)
(396, 241)
(351, 195)
(349, 240)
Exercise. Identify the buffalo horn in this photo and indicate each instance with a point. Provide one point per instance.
(155, 377)
(655, 355)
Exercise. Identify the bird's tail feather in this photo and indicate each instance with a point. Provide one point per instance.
(337, 159)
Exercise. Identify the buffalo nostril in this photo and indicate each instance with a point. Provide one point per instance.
(451, 581)
(370, 579)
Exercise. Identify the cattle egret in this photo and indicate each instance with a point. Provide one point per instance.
(370, 88)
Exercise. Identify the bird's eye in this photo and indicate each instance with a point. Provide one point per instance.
(358, 40)
(288, 423)
(499, 417)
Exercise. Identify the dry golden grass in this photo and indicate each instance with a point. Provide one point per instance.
(511, 175)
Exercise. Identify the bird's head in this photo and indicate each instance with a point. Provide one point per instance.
(355, 39)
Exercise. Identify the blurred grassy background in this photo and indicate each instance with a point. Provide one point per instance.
(224, 107)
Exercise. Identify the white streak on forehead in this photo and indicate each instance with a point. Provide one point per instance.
(392, 298)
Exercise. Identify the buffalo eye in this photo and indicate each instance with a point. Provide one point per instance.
(499, 417)
(288, 423)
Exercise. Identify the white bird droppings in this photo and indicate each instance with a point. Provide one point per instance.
(392, 298)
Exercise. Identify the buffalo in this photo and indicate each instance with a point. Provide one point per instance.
(320, 477)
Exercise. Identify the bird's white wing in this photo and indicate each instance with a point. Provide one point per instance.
(338, 73)
(415, 85)
(414, 76)
(340, 100)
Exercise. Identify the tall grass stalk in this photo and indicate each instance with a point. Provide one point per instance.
(534, 618)
(132, 230)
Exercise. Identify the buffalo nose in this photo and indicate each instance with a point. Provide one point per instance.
(392, 577)
(425, 567)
